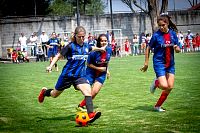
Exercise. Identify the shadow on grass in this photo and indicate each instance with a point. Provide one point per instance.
(69, 118)
(144, 108)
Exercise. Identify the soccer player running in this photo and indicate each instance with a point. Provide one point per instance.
(73, 72)
(164, 42)
(52, 44)
(97, 68)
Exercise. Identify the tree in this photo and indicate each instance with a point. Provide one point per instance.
(152, 10)
(23, 7)
(61, 8)
(96, 7)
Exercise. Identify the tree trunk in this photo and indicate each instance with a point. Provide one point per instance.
(164, 6)
(153, 6)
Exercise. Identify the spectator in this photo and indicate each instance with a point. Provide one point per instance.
(22, 41)
(40, 54)
(143, 43)
(33, 43)
(127, 46)
(135, 44)
(43, 41)
(14, 56)
(114, 46)
(25, 55)
(190, 37)
(198, 41)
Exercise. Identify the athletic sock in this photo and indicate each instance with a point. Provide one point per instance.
(162, 98)
(89, 104)
(83, 103)
(156, 83)
(48, 92)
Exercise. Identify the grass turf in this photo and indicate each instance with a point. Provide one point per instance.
(125, 101)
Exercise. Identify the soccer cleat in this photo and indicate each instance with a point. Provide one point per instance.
(159, 109)
(153, 86)
(81, 108)
(93, 116)
(41, 95)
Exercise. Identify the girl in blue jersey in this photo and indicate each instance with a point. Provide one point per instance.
(52, 45)
(73, 72)
(97, 67)
(164, 42)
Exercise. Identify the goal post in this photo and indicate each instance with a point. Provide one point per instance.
(118, 37)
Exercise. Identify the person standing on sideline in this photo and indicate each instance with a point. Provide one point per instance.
(22, 41)
(43, 41)
(190, 36)
(33, 42)
(52, 45)
(127, 46)
(73, 72)
(164, 42)
(135, 44)
(97, 68)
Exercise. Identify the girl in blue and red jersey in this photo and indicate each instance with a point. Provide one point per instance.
(97, 67)
(74, 71)
(164, 42)
(52, 44)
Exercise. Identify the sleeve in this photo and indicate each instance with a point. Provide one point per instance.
(65, 50)
(176, 42)
(90, 58)
(152, 41)
(48, 42)
(90, 48)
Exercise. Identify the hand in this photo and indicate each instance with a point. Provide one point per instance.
(103, 49)
(144, 68)
(48, 69)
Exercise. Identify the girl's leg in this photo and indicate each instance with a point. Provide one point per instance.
(48, 93)
(95, 90)
(86, 91)
(166, 83)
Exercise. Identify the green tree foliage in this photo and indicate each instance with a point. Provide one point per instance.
(68, 7)
(96, 7)
(60, 7)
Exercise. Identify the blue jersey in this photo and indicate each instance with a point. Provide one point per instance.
(76, 56)
(54, 49)
(98, 59)
(163, 43)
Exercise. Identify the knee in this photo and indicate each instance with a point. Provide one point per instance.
(167, 87)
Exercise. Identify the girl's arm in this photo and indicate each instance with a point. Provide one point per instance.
(101, 69)
(146, 63)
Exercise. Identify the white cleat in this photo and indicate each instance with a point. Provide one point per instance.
(159, 109)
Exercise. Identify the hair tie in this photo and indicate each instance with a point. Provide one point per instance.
(164, 13)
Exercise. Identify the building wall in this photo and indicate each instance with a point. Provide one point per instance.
(129, 23)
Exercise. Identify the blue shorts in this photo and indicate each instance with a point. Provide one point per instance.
(66, 82)
(91, 77)
(51, 54)
(161, 70)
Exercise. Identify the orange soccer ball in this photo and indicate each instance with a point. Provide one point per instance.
(82, 118)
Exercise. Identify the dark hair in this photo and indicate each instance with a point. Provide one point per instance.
(167, 19)
(99, 39)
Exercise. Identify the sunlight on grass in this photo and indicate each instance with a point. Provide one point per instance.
(125, 101)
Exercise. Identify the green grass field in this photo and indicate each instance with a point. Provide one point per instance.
(125, 101)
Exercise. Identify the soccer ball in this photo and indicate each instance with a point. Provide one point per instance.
(82, 118)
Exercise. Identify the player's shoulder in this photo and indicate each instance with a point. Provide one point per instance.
(108, 48)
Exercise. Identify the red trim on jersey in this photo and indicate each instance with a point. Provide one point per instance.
(167, 40)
